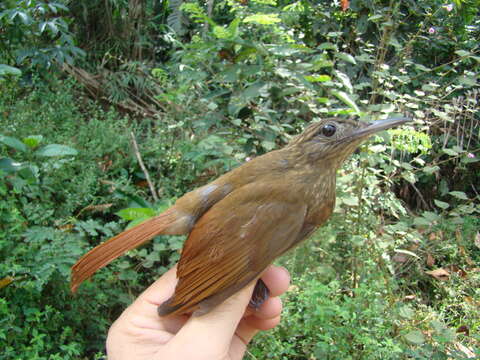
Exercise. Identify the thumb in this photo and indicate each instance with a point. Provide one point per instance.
(211, 334)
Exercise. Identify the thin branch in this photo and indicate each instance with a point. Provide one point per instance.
(142, 165)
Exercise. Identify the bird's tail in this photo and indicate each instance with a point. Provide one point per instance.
(108, 251)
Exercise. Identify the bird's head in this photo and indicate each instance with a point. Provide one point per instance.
(334, 139)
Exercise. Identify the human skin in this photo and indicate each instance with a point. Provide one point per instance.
(222, 334)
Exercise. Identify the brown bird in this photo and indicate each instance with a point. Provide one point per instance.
(239, 223)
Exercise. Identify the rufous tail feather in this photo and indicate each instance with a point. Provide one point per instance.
(111, 249)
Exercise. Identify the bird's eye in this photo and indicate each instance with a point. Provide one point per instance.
(329, 130)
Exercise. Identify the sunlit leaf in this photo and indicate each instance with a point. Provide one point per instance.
(415, 337)
(459, 195)
(135, 213)
(441, 204)
(262, 19)
(9, 70)
(317, 78)
(346, 57)
(347, 100)
(32, 141)
(53, 150)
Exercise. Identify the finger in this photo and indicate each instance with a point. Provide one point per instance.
(261, 324)
(143, 312)
(214, 330)
(161, 289)
(277, 279)
(269, 309)
(249, 327)
(242, 338)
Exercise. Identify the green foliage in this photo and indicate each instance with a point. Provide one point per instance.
(34, 34)
(56, 202)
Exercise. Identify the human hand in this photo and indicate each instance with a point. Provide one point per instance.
(222, 334)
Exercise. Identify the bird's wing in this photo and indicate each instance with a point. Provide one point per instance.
(232, 243)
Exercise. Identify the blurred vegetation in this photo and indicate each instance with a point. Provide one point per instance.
(204, 86)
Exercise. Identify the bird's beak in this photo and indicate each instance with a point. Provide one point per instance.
(377, 126)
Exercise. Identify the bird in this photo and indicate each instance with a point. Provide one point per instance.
(238, 224)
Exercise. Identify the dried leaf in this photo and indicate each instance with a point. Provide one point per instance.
(99, 207)
(464, 329)
(463, 252)
(66, 227)
(439, 274)
(410, 297)
(457, 270)
(293, 288)
(95, 208)
(142, 183)
(105, 164)
(477, 240)
(407, 252)
(400, 258)
(471, 301)
(467, 351)
(5, 281)
(458, 235)
(414, 246)
(430, 260)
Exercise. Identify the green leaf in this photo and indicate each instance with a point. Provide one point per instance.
(14, 143)
(350, 201)
(221, 33)
(406, 312)
(463, 53)
(8, 165)
(327, 46)
(431, 216)
(136, 222)
(346, 57)
(415, 337)
(441, 204)
(235, 104)
(252, 91)
(410, 177)
(421, 221)
(268, 145)
(467, 80)
(52, 150)
(459, 195)
(375, 18)
(32, 141)
(345, 80)
(134, 200)
(431, 169)
(262, 19)
(136, 213)
(233, 27)
(317, 78)
(9, 70)
(347, 100)
(450, 152)
(422, 67)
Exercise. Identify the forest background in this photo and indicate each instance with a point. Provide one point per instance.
(203, 86)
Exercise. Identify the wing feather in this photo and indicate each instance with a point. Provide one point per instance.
(231, 245)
